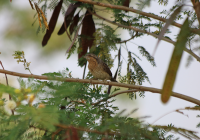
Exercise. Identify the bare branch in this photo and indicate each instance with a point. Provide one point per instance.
(140, 88)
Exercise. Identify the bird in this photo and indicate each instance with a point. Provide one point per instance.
(98, 68)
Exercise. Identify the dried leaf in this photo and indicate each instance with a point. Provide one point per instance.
(43, 16)
(68, 17)
(87, 32)
(38, 12)
(52, 23)
(164, 29)
(62, 29)
(175, 61)
(74, 23)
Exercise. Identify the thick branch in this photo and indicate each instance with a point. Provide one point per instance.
(141, 88)
(144, 31)
(196, 31)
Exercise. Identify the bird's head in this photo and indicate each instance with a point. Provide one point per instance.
(90, 56)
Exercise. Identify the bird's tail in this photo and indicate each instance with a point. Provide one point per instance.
(113, 80)
(109, 87)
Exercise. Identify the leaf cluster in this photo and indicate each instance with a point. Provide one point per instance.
(20, 56)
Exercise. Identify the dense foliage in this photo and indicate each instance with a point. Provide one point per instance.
(64, 110)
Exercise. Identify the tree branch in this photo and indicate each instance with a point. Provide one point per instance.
(146, 32)
(196, 31)
(141, 88)
(196, 6)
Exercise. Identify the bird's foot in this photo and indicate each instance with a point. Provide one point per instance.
(105, 80)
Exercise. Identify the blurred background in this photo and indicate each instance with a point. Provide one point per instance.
(18, 34)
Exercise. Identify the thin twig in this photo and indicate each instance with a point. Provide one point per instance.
(55, 133)
(141, 88)
(5, 74)
(7, 85)
(121, 92)
(124, 41)
(178, 110)
(163, 116)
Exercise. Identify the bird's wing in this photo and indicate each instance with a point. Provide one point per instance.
(106, 69)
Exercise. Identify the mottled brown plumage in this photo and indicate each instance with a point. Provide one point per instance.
(98, 68)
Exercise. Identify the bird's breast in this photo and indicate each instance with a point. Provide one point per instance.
(92, 65)
(97, 71)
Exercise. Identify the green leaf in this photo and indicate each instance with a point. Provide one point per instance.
(175, 61)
